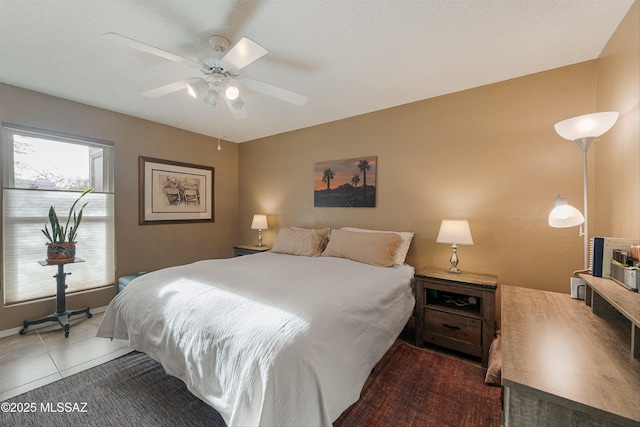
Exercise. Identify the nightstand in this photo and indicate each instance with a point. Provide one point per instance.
(241, 250)
(457, 311)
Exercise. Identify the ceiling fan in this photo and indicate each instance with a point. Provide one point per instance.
(221, 75)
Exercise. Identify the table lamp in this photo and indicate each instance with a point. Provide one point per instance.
(456, 232)
(259, 223)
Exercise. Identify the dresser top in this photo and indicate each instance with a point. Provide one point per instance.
(558, 346)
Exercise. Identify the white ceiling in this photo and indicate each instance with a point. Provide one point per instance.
(348, 56)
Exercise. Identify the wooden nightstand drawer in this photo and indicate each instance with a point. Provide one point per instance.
(452, 326)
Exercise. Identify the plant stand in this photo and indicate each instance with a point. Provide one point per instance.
(61, 315)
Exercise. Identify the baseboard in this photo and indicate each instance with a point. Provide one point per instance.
(15, 331)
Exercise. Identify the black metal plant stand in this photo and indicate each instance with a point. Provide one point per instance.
(61, 315)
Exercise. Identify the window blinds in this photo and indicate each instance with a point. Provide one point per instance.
(24, 215)
(25, 206)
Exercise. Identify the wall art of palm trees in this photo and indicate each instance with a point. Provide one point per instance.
(349, 183)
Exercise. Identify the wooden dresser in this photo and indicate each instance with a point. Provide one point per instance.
(565, 365)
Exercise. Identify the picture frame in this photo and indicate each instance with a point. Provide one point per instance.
(345, 183)
(174, 192)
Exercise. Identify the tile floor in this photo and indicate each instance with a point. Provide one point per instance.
(44, 355)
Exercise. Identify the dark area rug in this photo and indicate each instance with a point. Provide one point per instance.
(419, 388)
(132, 390)
(414, 388)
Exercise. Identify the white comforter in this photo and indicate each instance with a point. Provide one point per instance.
(266, 339)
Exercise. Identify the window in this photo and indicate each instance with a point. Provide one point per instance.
(41, 169)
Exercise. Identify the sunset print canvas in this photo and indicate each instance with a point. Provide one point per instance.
(345, 183)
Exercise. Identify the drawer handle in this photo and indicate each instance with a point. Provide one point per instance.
(451, 326)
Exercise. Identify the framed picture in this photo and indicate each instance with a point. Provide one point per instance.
(345, 183)
(172, 192)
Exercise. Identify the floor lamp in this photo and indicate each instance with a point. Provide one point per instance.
(583, 130)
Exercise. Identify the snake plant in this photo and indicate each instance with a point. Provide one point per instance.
(59, 234)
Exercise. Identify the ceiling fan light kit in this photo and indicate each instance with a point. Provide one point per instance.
(211, 99)
(221, 75)
(238, 104)
(197, 87)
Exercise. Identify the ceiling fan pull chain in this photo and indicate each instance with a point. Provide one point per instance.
(219, 112)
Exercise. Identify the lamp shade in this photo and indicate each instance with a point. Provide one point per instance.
(197, 87)
(211, 99)
(586, 126)
(238, 104)
(259, 222)
(564, 215)
(455, 231)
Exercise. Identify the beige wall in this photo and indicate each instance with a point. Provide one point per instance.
(138, 248)
(488, 154)
(617, 154)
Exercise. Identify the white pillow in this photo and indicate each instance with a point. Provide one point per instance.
(401, 252)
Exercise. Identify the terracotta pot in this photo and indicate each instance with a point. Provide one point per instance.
(61, 252)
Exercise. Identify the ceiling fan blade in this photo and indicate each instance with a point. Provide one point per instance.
(275, 91)
(167, 89)
(237, 109)
(243, 53)
(129, 42)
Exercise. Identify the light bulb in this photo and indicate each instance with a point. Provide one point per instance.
(586, 125)
(563, 211)
(232, 93)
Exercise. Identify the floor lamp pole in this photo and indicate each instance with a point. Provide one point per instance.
(584, 143)
(586, 214)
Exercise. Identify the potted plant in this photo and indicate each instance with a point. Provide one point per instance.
(62, 245)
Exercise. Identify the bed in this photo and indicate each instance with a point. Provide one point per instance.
(278, 338)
